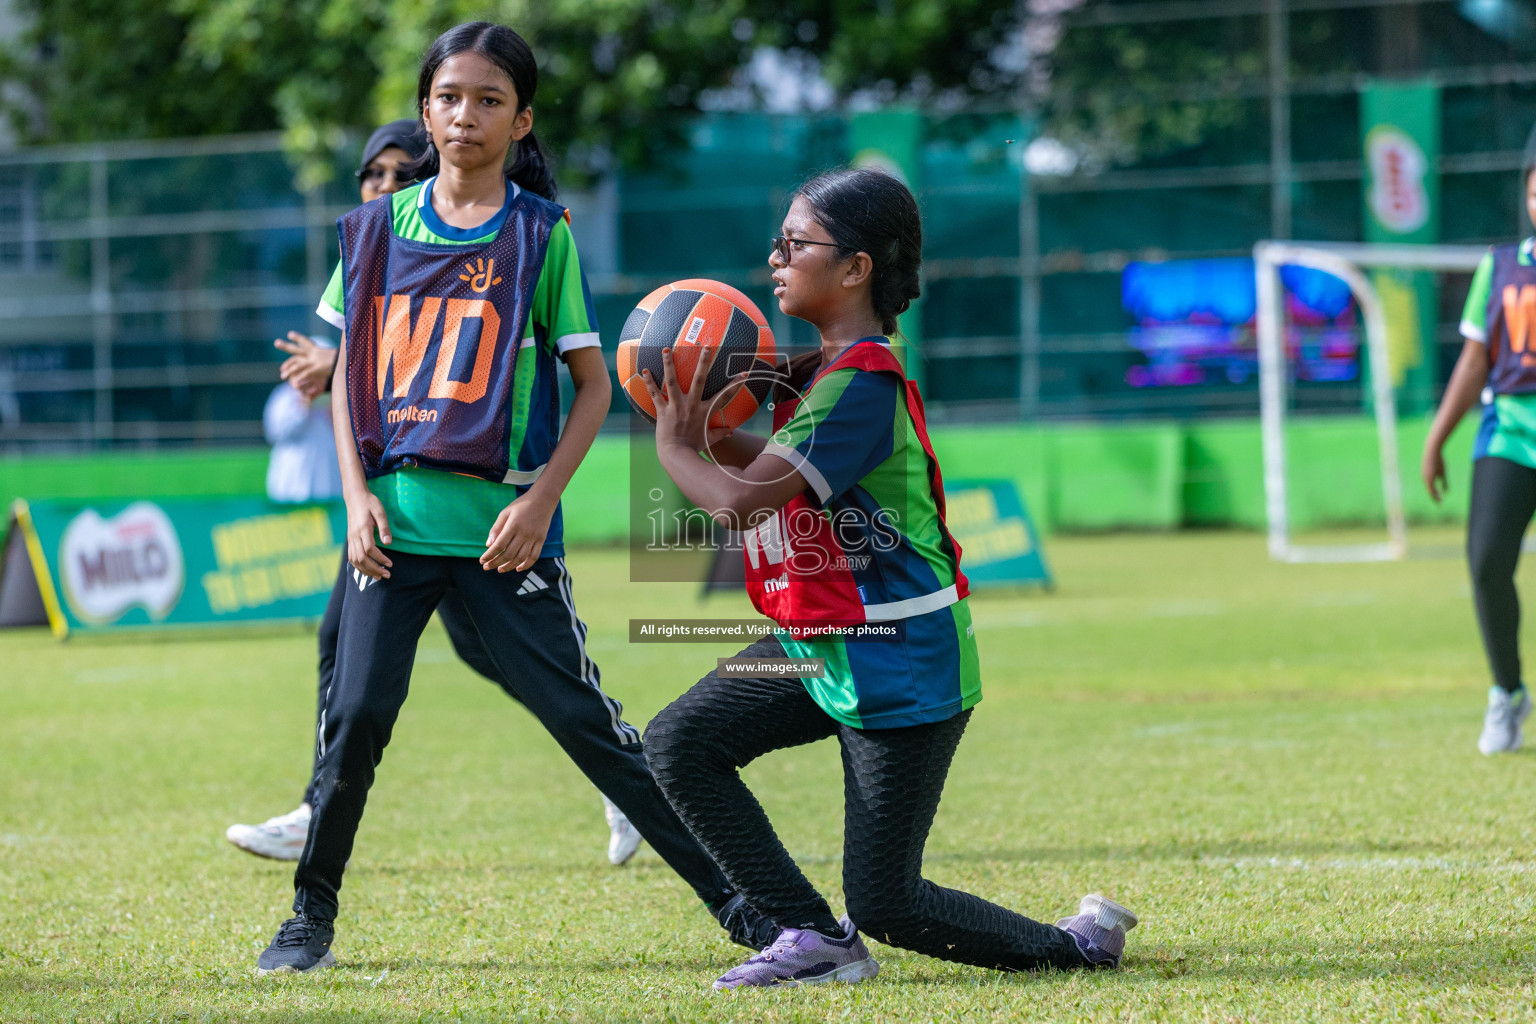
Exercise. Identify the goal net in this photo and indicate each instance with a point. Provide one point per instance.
(1279, 379)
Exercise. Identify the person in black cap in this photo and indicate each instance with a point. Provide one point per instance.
(309, 368)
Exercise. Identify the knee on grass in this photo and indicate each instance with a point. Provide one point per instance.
(887, 916)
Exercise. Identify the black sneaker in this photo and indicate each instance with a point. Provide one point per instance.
(301, 944)
(745, 925)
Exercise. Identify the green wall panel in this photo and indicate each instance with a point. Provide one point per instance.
(1106, 478)
(1073, 476)
(999, 452)
(1223, 474)
(195, 474)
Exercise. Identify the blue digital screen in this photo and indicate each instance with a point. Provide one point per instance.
(1194, 322)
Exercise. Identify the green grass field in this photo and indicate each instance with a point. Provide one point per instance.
(1274, 765)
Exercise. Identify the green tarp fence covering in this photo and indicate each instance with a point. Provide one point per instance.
(1074, 477)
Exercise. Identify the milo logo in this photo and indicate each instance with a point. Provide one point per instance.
(1398, 197)
(111, 565)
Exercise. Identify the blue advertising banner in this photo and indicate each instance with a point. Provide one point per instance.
(999, 545)
(117, 565)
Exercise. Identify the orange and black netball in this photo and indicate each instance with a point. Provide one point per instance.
(687, 317)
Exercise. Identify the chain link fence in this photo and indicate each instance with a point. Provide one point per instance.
(142, 284)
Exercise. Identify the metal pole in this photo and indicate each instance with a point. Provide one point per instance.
(1268, 257)
(101, 301)
(1272, 388)
(1029, 291)
(315, 270)
(1279, 120)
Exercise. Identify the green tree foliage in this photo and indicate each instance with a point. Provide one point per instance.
(886, 45)
(611, 70)
(1128, 92)
(102, 69)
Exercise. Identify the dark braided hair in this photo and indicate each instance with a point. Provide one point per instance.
(869, 211)
(530, 165)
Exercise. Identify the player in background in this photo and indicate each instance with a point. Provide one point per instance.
(456, 296)
(302, 466)
(1498, 362)
(850, 478)
(308, 371)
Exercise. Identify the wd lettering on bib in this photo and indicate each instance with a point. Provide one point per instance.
(1519, 313)
(1510, 317)
(433, 339)
(472, 324)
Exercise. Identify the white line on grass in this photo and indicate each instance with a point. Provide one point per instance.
(1184, 609)
(1340, 599)
(1022, 620)
(1372, 864)
(127, 673)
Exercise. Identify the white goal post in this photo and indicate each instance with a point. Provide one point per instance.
(1343, 261)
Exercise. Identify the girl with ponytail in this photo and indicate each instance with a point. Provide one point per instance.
(1496, 371)
(875, 646)
(510, 54)
(456, 297)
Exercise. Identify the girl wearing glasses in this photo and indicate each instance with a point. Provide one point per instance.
(848, 552)
(456, 297)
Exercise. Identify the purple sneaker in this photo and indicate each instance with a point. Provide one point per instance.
(1099, 929)
(805, 958)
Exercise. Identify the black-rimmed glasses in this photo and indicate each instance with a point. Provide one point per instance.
(376, 176)
(781, 246)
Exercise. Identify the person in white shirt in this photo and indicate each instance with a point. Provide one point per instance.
(303, 464)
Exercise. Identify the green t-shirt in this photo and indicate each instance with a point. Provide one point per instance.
(435, 513)
(1509, 428)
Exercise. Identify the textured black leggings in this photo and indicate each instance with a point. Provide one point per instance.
(892, 781)
(1503, 501)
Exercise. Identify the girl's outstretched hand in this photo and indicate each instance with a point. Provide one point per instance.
(517, 536)
(682, 418)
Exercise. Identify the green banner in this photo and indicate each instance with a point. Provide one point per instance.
(1400, 142)
(999, 545)
(179, 562)
(892, 140)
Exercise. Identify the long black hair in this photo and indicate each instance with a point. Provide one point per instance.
(867, 210)
(530, 165)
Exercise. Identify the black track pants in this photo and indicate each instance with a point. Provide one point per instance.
(892, 781)
(461, 633)
(1503, 501)
(527, 624)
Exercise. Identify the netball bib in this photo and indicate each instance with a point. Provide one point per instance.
(1511, 323)
(802, 567)
(432, 338)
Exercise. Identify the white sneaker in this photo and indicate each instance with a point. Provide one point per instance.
(1501, 725)
(280, 838)
(623, 837)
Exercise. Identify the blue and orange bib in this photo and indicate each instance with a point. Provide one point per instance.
(434, 378)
